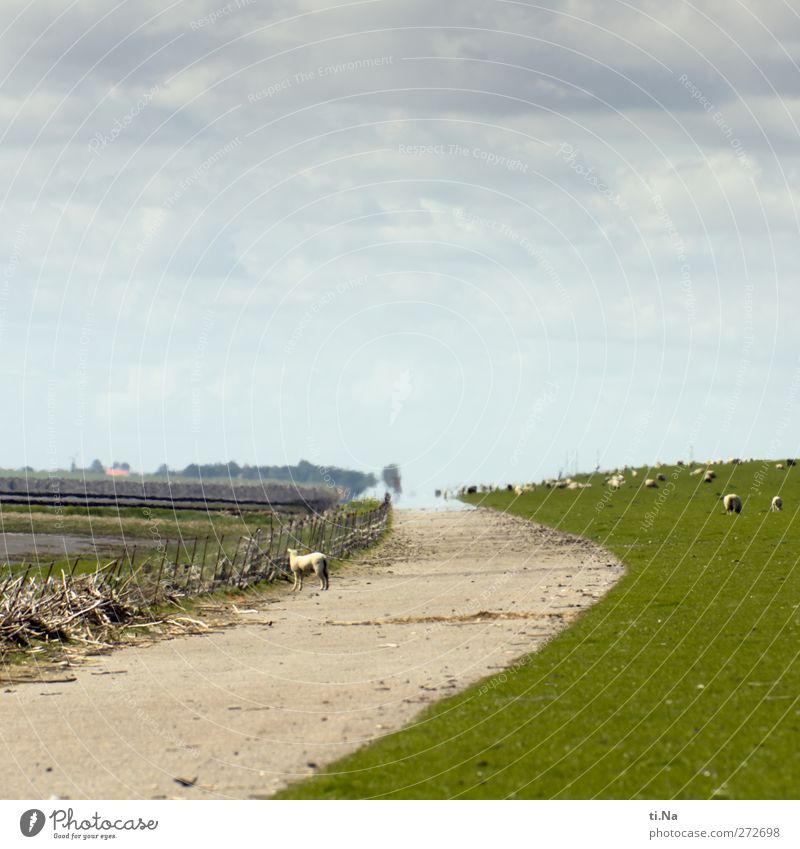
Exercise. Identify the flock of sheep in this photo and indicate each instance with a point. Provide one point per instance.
(733, 504)
(616, 479)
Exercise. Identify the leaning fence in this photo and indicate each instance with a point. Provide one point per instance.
(41, 601)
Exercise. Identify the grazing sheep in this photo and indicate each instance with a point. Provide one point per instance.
(518, 490)
(472, 490)
(651, 484)
(315, 562)
(680, 463)
(777, 504)
(791, 462)
(732, 503)
(661, 476)
(708, 477)
(779, 465)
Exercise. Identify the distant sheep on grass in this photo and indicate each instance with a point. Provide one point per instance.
(650, 483)
(777, 504)
(315, 562)
(732, 503)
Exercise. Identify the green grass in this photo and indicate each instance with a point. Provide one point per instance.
(143, 522)
(683, 682)
(140, 534)
(133, 522)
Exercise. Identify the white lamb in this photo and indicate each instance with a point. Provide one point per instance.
(777, 504)
(732, 503)
(315, 562)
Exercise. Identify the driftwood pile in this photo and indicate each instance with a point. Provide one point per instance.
(79, 609)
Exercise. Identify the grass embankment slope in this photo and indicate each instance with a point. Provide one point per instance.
(684, 682)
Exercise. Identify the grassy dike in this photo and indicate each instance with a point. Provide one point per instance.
(683, 682)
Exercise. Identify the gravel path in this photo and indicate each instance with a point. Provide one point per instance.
(449, 598)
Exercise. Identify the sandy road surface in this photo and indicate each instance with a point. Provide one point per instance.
(450, 598)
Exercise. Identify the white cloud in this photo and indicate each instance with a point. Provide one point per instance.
(527, 267)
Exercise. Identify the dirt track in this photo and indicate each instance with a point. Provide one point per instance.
(450, 598)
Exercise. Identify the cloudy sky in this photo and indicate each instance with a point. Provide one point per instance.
(483, 240)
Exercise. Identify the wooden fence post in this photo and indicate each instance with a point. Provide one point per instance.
(160, 571)
(235, 558)
(49, 573)
(244, 559)
(21, 584)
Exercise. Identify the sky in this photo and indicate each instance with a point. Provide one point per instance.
(487, 241)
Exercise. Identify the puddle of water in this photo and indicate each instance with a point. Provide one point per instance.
(418, 499)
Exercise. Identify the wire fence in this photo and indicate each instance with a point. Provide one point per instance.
(42, 600)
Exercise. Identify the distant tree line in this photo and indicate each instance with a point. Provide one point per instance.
(391, 477)
(303, 473)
